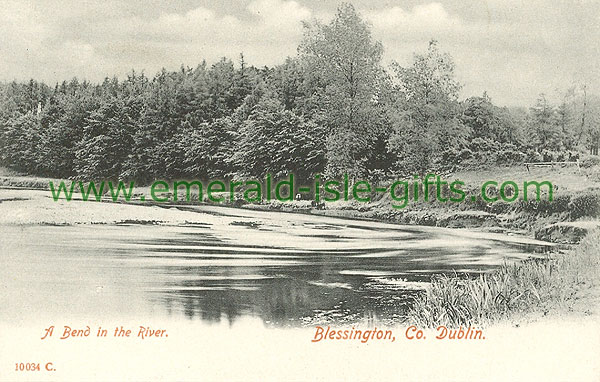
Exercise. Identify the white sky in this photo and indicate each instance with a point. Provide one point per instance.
(513, 49)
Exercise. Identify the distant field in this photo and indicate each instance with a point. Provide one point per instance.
(566, 177)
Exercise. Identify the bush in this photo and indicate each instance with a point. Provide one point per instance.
(501, 207)
(534, 156)
(588, 161)
(510, 154)
(585, 204)
(560, 204)
(531, 206)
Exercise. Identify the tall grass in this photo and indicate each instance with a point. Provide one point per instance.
(536, 285)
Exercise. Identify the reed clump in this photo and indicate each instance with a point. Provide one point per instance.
(554, 284)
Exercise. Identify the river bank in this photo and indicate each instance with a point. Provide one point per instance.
(566, 284)
(573, 212)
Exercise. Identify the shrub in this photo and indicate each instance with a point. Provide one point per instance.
(560, 204)
(588, 161)
(500, 207)
(585, 204)
(534, 156)
(510, 154)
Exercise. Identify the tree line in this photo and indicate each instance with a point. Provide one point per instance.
(333, 109)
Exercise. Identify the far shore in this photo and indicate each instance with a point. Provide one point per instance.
(574, 211)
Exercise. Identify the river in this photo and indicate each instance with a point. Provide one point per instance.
(281, 268)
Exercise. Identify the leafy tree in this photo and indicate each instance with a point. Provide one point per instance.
(544, 125)
(209, 148)
(347, 60)
(277, 141)
(495, 133)
(427, 132)
(107, 140)
(21, 143)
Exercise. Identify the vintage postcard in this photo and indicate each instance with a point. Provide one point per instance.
(299, 190)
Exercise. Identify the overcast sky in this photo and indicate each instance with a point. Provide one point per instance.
(513, 49)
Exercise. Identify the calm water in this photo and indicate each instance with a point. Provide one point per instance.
(285, 269)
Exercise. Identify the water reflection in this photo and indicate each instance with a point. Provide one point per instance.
(308, 271)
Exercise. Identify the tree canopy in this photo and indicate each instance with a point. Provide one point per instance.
(333, 109)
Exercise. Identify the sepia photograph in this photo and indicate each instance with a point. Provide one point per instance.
(299, 190)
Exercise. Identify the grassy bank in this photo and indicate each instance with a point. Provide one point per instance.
(574, 210)
(565, 283)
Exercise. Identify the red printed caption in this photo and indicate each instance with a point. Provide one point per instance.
(143, 332)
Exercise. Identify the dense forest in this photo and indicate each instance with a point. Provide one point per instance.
(334, 108)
